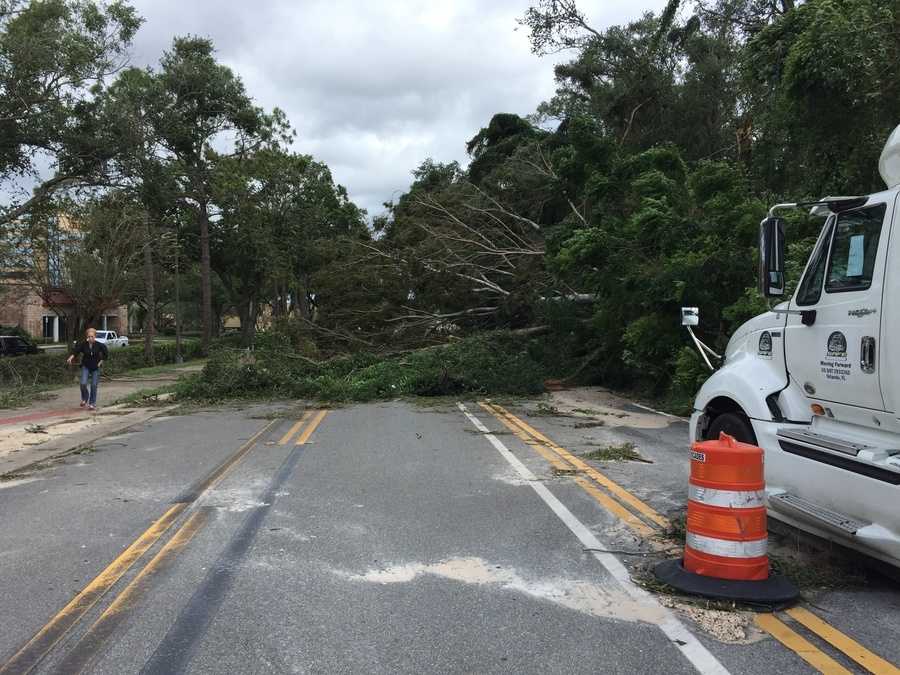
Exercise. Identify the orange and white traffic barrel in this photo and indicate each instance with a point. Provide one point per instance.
(726, 515)
(725, 551)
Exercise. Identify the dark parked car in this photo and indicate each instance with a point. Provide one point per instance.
(13, 345)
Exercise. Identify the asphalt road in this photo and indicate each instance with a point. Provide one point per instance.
(381, 538)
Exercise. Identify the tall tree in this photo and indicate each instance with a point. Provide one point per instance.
(279, 212)
(197, 104)
(140, 166)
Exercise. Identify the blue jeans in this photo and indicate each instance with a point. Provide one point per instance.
(94, 376)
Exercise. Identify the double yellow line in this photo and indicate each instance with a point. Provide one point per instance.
(307, 432)
(28, 657)
(639, 516)
(814, 656)
(644, 521)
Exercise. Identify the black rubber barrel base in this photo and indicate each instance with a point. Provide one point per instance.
(776, 592)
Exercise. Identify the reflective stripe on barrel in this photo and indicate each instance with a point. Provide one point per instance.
(735, 499)
(725, 548)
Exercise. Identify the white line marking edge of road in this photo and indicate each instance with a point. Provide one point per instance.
(659, 412)
(701, 658)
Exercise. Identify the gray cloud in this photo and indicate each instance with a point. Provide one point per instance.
(373, 88)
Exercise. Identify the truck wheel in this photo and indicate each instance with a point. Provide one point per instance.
(733, 424)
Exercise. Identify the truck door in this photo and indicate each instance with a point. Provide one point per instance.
(833, 349)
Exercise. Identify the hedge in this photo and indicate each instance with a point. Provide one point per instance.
(50, 368)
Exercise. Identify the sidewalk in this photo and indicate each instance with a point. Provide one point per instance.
(62, 402)
(59, 426)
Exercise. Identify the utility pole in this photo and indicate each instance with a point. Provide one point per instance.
(178, 356)
(149, 290)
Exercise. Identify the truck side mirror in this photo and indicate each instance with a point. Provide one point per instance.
(690, 316)
(771, 257)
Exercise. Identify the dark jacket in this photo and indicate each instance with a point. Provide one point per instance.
(91, 354)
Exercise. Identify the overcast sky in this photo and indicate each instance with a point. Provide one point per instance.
(373, 88)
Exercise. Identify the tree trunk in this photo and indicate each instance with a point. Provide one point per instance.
(278, 302)
(248, 312)
(71, 329)
(302, 298)
(150, 293)
(178, 356)
(205, 281)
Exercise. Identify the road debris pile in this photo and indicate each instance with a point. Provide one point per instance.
(491, 363)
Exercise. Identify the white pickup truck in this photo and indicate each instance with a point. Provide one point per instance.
(111, 339)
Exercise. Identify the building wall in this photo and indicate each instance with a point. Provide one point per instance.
(21, 306)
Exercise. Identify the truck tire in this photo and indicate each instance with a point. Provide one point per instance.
(733, 424)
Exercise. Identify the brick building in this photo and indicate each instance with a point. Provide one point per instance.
(21, 306)
(44, 314)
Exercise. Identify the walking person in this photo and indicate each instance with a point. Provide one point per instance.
(93, 354)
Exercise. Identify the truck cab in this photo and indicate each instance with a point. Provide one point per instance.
(815, 381)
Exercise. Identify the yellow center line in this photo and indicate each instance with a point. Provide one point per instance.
(38, 646)
(223, 469)
(559, 465)
(317, 420)
(868, 660)
(284, 439)
(616, 489)
(800, 645)
(611, 505)
(47, 637)
(89, 644)
(768, 622)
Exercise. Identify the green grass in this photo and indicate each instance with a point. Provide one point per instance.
(622, 452)
(164, 369)
(813, 564)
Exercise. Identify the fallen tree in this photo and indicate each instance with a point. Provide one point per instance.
(493, 363)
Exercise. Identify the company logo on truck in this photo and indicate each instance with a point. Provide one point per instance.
(765, 344)
(837, 367)
(837, 345)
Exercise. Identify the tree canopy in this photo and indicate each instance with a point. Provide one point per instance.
(636, 188)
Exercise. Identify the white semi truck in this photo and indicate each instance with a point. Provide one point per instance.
(815, 381)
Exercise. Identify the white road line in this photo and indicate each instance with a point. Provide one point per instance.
(659, 412)
(689, 646)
